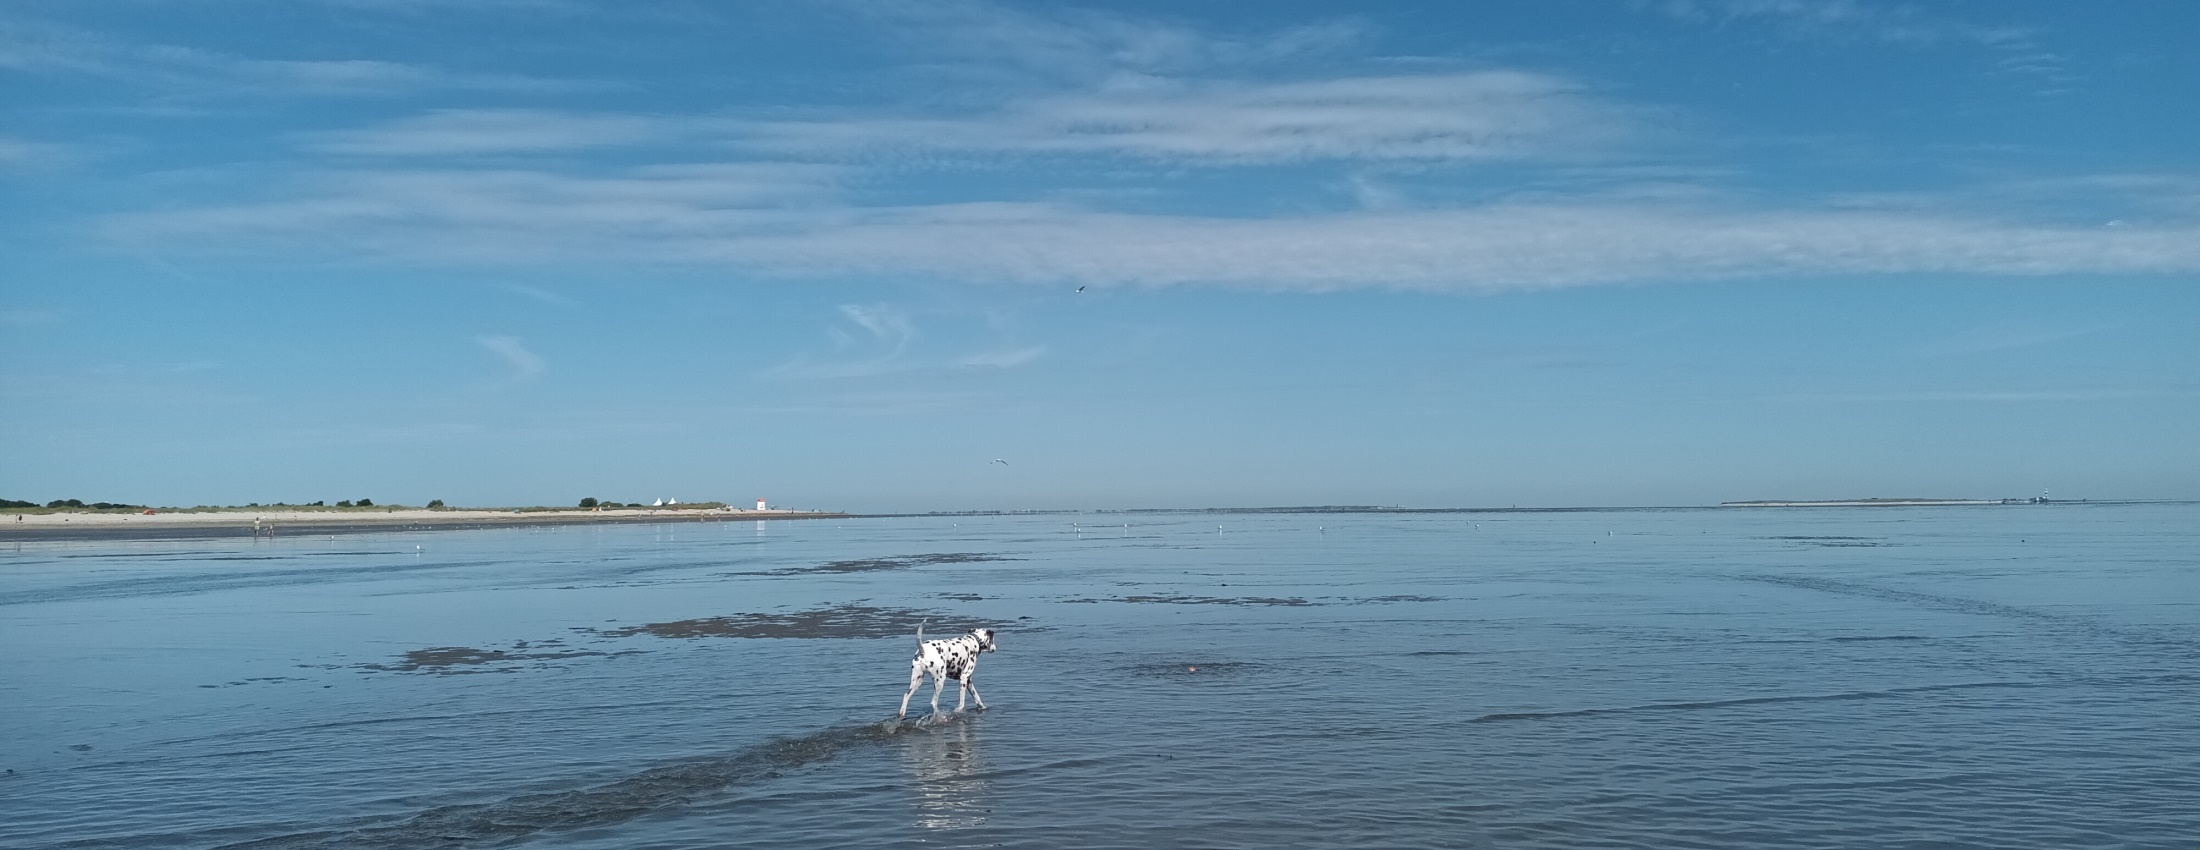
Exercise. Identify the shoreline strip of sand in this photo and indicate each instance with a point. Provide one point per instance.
(288, 523)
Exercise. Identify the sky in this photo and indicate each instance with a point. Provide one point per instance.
(845, 255)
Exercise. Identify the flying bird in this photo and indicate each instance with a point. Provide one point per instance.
(1000, 461)
(1081, 289)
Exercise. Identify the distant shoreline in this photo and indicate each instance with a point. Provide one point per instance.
(49, 525)
(1881, 503)
(293, 523)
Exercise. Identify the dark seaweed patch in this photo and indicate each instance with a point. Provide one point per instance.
(502, 823)
(443, 659)
(1205, 600)
(1741, 702)
(255, 679)
(841, 621)
(871, 565)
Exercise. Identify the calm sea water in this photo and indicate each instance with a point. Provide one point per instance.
(1955, 677)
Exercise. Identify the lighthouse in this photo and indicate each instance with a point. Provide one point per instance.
(760, 504)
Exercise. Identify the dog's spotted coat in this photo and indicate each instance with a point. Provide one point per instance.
(954, 658)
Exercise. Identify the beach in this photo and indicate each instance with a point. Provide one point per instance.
(105, 525)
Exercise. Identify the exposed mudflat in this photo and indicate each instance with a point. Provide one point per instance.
(839, 621)
(873, 565)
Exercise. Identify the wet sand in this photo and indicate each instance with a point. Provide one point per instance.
(180, 525)
(840, 621)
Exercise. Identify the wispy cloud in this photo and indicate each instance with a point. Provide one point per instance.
(2008, 336)
(1900, 24)
(539, 294)
(1985, 396)
(1072, 44)
(525, 364)
(746, 222)
(23, 153)
(1157, 97)
(187, 71)
(885, 324)
(886, 333)
(1004, 358)
(880, 343)
(486, 131)
(1465, 116)
(1888, 22)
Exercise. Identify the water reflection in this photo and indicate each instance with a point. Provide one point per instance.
(945, 773)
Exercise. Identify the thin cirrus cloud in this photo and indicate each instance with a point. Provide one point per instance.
(1892, 23)
(1430, 117)
(888, 333)
(524, 363)
(488, 131)
(2018, 49)
(2009, 336)
(884, 323)
(789, 205)
(178, 70)
(1081, 45)
(1462, 116)
(769, 219)
(1004, 358)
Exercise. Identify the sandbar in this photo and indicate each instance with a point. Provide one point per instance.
(288, 523)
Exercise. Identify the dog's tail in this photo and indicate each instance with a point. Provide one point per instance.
(920, 632)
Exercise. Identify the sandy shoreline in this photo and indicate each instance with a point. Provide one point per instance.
(285, 523)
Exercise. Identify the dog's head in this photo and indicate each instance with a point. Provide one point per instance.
(985, 639)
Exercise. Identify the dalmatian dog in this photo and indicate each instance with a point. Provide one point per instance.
(954, 658)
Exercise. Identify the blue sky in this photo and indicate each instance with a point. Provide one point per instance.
(829, 253)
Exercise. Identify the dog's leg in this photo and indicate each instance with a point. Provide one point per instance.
(972, 687)
(962, 692)
(938, 680)
(916, 679)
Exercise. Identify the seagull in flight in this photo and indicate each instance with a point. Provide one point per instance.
(1000, 461)
(1081, 289)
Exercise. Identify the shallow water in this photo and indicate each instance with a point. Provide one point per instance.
(2020, 676)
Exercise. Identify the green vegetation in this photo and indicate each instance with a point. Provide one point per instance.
(589, 502)
(69, 505)
(435, 504)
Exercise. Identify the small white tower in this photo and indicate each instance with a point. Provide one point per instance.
(760, 504)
